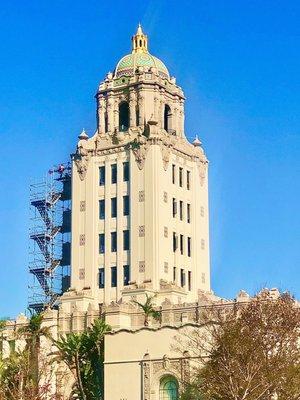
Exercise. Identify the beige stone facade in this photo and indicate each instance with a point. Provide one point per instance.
(140, 225)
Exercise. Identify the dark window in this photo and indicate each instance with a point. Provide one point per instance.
(126, 274)
(113, 237)
(114, 207)
(101, 176)
(106, 122)
(126, 240)
(180, 177)
(102, 209)
(101, 243)
(174, 207)
(182, 277)
(173, 173)
(126, 171)
(113, 276)
(181, 244)
(137, 115)
(174, 241)
(188, 180)
(114, 173)
(190, 280)
(167, 117)
(188, 213)
(125, 205)
(189, 246)
(174, 274)
(123, 116)
(101, 278)
(181, 210)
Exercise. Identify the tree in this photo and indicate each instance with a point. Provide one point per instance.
(83, 353)
(148, 309)
(246, 352)
(32, 333)
(25, 373)
(2, 327)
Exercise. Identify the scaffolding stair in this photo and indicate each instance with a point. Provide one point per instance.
(44, 205)
(40, 275)
(43, 239)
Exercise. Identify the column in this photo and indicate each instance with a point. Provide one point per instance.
(110, 113)
(101, 116)
(132, 110)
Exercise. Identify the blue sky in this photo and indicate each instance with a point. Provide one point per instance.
(238, 63)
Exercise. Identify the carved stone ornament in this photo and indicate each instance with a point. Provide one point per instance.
(82, 158)
(165, 152)
(146, 378)
(140, 148)
(202, 167)
(82, 162)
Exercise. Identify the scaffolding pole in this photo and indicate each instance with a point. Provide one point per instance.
(50, 237)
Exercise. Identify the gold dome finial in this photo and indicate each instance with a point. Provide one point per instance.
(139, 41)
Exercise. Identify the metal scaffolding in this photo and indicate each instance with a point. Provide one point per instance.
(50, 237)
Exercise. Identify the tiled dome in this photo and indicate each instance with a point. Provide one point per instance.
(140, 57)
(129, 63)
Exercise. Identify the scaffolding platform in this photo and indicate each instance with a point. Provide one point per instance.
(50, 237)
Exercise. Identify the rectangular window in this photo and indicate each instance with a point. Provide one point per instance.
(126, 275)
(114, 173)
(188, 180)
(189, 246)
(188, 213)
(126, 205)
(173, 173)
(102, 176)
(101, 243)
(174, 207)
(126, 240)
(114, 207)
(180, 177)
(182, 277)
(190, 280)
(181, 210)
(181, 244)
(174, 274)
(126, 171)
(174, 241)
(101, 209)
(113, 238)
(113, 276)
(101, 278)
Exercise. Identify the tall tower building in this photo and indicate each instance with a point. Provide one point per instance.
(139, 192)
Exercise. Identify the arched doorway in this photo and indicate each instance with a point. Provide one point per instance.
(168, 388)
(123, 116)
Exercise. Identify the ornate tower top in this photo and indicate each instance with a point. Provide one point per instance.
(139, 41)
(140, 58)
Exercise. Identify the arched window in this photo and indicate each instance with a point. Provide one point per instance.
(168, 388)
(123, 116)
(167, 118)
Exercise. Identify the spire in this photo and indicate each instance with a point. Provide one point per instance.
(196, 142)
(139, 30)
(139, 41)
(83, 135)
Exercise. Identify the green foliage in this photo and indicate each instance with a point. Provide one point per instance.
(148, 309)
(84, 355)
(32, 333)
